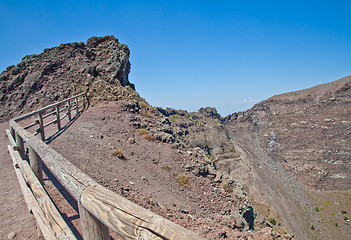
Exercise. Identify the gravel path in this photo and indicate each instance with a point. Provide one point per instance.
(15, 220)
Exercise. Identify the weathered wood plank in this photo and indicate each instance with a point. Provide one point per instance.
(69, 110)
(31, 125)
(41, 126)
(92, 228)
(19, 130)
(58, 120)
(77, 106)
(54, 218)
(69, 175)
(36, 164)
(128, 219)
(32, 204)
(57, 224)
(20, 145)
(12, 140)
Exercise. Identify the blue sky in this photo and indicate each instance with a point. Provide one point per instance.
(188, 54)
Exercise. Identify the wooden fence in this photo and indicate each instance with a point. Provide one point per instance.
(99, 208)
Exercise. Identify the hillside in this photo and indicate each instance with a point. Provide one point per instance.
(259, 173)
(156, 170)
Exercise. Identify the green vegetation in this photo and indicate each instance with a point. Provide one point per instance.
(174, 117)
(118, 153)
(142, 131)
(343, 211)
(183, 180)
(317, 209)
(273, 221)
(346, 218)
(312, 227)
(327, 203)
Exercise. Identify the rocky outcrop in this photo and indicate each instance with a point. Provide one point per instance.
(100, 67)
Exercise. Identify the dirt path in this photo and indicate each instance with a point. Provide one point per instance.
(15, 219)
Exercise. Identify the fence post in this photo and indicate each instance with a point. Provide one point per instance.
(12, 131)
(58, 118)
(92, 228)
(36, 164)
(69, 110)
(83, 101)
(77, 106)
(20, 145)
(41, 126)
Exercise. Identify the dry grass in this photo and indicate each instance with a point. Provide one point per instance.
(183, 180)
(142, 131)
(118, 153)
(166, 167)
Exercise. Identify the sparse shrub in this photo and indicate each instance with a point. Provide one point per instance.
(327, 203)
(183, 180)
(312, 227)
(144, 104)
(146, 113)
(118, 153)
(174, 117)
(166, 167)
(343, 211)
(142, 131)
(149, 137)
(227, 188)
(317, 209)
(273, 221)
(336, 225)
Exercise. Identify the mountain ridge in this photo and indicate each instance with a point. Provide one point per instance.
(271, 160)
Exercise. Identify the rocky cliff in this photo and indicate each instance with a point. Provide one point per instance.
(100, 66)
(284, 151)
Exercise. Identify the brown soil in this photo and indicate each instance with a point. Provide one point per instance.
(148, 173)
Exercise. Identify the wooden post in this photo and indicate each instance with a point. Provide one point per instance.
(92, 228)
(36, 164)
(69, 110)
(41, 126)
(77, 106)
(12, 131)
(19, 142)
(83, 101)
(58, 118)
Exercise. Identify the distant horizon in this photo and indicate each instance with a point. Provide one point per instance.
(191, 54)
(245, 99)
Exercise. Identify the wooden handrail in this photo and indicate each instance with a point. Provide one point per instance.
(100, 209)
(47, 107)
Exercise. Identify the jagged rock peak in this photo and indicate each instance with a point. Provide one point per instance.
(100, 67)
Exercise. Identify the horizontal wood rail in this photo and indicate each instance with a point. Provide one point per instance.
(100, 209)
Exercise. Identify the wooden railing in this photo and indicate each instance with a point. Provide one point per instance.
(100, 209)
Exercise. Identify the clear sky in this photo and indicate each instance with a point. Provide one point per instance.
(188, 54)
